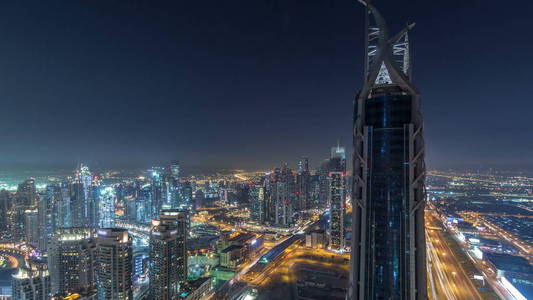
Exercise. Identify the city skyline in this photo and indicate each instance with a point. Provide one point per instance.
(176, 150)
(125, 83)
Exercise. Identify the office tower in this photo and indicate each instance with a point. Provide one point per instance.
(49, 203)
(186, 193)
(337, 210)
(6, 203)
(323, 183)
(388, 245)
(143, 204)
(337, 159)
(199, 198)
(114, 261)
(156, 195)
(26, 193)
(106, 207)
(165, 261)
(257, 201)
(175, 169)
(31, 282)
(31, 226)
(64, 212)
(283, 192)
(93, 202)
(77, 203)
(179, 220)
(303, 185)
(15, 223)
(71, 260)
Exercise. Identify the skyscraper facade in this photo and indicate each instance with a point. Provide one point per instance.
(114, 264)
(179, 221)
(32, 281)
(337, 210)
(71, 257)
(165, 260)
(388, 246)
(303, 185)
(257, 202)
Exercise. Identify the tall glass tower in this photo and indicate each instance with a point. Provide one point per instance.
(388, 243)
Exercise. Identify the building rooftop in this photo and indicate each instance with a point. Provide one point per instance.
(510, 263)
(231, 248)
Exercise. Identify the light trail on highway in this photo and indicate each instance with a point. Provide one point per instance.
(449, 280)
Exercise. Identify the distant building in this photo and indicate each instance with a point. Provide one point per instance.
(337, 210)
(232, 256)
(235, 247)
(49, 203)
(77, 204)
(257, 203)
(200, 288)
(31, 226)
(505, 263)
(316, 239)
(31, 282)
(26, 193)
(114, 264)
(303, 185)
(6, 203)
(283, 196)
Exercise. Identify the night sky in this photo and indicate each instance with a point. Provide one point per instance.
(251, 84)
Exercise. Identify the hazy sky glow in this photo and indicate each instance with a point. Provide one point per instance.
(250, 83)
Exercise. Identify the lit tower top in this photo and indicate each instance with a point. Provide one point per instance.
(387, 60)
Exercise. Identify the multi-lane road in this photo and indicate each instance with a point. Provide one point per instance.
(447, 278)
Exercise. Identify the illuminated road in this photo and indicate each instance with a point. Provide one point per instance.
(447, 280)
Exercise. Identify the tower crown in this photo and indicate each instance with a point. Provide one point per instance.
(387, 60)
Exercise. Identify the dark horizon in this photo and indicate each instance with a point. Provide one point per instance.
(249, 85)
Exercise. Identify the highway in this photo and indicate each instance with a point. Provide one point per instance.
(447, 278)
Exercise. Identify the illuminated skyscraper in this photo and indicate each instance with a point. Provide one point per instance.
(337, 159)
(257, 201)
(303, 185)
(31, 226)
(165, 261)
(71, 258)
(26, 193)
(6, 203)
(114, 264)
(283, 193)
(156, 195)
(78, 204)
(32, 281)
(388, 245)
(337, 210)
(179, 221)
(175, 169)
(49, 214)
